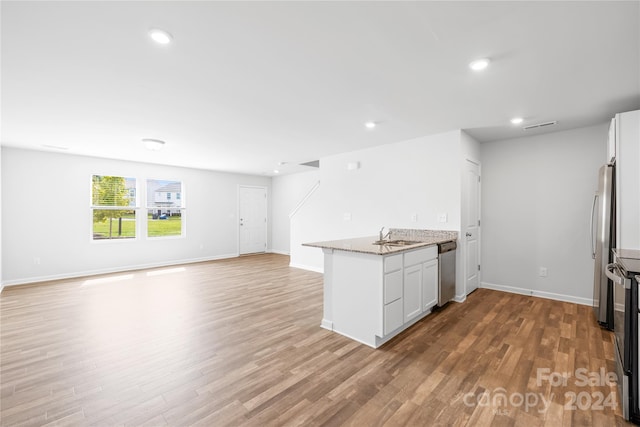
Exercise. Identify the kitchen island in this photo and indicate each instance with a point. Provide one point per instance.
(372, 292)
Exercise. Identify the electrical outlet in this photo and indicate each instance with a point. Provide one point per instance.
(414, 217)
(442, 217)
(36, 260)
(543, 272)
(346, 216)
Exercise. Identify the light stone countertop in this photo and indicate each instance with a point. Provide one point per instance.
(365, 244)
(629, 259)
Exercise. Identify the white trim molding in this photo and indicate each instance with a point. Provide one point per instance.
(304, 199)
(88, 273)
(307, 267)
(279, 252)
(535, 293)
(326, 324)
(460, 298)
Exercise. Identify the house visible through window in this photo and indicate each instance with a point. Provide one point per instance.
(113, 206)
(165, 213)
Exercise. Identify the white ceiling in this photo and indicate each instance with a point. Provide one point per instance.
(246, 85)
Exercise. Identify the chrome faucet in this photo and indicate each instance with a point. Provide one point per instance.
(383, 236)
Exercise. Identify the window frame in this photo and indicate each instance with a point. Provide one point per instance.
(135, 208)
(147, 208)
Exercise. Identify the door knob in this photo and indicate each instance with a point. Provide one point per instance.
(468, 234)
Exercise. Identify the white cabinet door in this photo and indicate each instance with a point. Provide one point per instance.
(412, 291)
(392, 286)
(429, 284)
(392, 316)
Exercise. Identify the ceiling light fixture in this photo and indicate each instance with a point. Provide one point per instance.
(153, 144)
(160, 36)
(370, 125)
(479, 64)
(516, 120)
(276, 171)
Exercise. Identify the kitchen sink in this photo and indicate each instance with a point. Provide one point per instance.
(395, 242)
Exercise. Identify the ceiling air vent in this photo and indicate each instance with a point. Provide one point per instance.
(313, 164)
(540, 125)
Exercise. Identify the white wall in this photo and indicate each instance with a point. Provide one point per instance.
(470, 149)
(536, 203)
(287, 192)
(1, 282)
(395, 181)
(46, 215)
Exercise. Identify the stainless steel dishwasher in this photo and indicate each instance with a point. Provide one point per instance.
(446, 272)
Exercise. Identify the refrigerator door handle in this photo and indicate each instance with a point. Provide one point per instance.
(593, 212)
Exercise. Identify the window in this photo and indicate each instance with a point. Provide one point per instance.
(165, 215)
(113, 205)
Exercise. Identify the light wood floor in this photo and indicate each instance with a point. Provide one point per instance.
(238, 342)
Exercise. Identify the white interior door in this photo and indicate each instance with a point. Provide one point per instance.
(471, 226)
(252, 202)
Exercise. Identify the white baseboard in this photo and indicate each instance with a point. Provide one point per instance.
(327, 324)
(541, 294)
(307, 267)
(276, 251)
(460, 298)
(85, 273)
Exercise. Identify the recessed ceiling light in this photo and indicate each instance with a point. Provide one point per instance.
(516, 120)
(370, 125)
(479, 64)
(153, 144)
(160, 36)
(276, 171)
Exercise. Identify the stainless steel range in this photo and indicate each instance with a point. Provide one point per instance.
(624, 272)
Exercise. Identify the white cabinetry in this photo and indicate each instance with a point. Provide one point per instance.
(412, 292)
(627, 151)
(392, 316)
(429, 284)
(611, 142)
(420, 281)
(392, 313)
(372, 298)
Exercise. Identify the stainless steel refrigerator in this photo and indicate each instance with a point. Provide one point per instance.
(603, 238)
